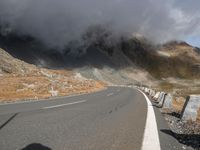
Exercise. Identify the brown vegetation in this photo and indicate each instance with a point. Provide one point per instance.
(40, 86)
(22, 81)
(182, 64)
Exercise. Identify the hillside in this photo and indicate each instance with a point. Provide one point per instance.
(22, 81)
(170, 60)
(102, 61)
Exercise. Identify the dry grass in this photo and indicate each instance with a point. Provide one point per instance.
(39, 85)
(20, 80)
(14, 88)
(166, 86)
(179, 88)
(181, 62)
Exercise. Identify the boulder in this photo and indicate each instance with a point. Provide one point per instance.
(191, 108)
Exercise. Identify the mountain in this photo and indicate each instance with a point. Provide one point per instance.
(122, 60)
(173, 59)
(101, 61)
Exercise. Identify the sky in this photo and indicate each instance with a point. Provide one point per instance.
(194, 41)
(57, 22)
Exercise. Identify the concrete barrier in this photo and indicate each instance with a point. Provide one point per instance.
(156, 96)
(152, 93)
(191, 108)
(146, 90)
(168, 101)
(143, 88)
(161, 98)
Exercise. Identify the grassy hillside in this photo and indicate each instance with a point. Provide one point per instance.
(145, 55)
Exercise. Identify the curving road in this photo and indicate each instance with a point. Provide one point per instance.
(113, 119)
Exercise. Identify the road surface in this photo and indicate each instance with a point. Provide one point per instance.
(112, 119)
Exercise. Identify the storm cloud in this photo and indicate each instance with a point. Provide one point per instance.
(57, 22)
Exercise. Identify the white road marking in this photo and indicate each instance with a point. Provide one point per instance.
(151, 137)
(56, 106)
(50, 99)
(110, 94)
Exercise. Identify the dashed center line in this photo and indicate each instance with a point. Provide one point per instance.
(56, 106)
(110, 94)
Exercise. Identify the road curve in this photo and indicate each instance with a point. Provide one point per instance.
(110, 119)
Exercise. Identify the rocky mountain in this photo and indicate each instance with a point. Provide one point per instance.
(105, 58)
(174, 59)
(122, 60)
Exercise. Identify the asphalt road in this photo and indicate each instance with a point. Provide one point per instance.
(113, 119)
(110, 119)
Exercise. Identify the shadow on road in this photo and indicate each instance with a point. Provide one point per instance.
(11, 118)
(192, 140)
(36, 146)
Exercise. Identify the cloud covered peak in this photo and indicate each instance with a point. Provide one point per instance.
(59, 22)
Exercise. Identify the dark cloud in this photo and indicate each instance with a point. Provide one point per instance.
(56, 22)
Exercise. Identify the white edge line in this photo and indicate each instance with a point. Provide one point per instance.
(151, 137)
(56, 106)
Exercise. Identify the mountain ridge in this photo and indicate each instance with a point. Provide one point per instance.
(121, 58)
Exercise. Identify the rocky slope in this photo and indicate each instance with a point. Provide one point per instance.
(102, 61)
(22, 81)
(173, 59)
